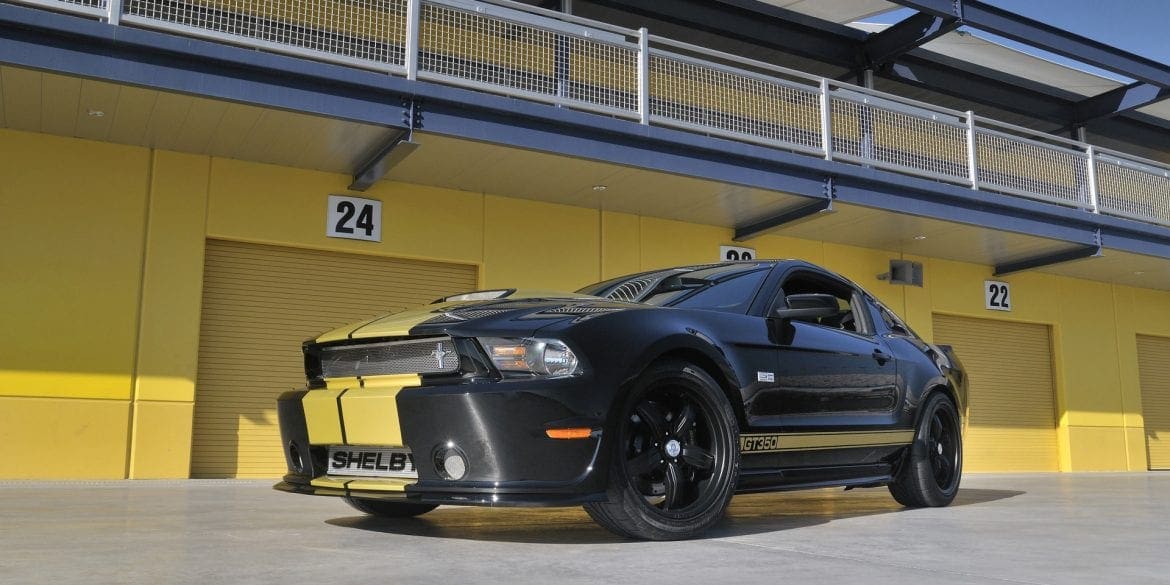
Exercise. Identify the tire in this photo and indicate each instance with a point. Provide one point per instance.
(930, 474)
(389, 508)
(675, 457)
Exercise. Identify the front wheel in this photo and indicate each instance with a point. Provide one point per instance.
(676, 456)
(930, 474)
(388, 508)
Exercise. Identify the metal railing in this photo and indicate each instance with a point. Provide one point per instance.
(531, 53)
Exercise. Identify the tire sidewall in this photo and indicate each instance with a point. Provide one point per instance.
(935, 495)
(711, 401)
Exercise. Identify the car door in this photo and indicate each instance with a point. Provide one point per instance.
(831, 374)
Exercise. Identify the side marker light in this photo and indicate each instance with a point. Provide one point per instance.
(569, 433)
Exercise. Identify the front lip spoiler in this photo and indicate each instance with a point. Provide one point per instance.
(469, 498)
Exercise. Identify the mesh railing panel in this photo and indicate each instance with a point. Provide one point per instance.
(1034, 169)
(1133, 190)
(900, 139)
(99, 4)
(687, 92)
(537, 62)
(507, 55)
(365, 30)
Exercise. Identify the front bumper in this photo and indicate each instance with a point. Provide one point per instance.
(498, 425)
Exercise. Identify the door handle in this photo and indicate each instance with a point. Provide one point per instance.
(881, 357)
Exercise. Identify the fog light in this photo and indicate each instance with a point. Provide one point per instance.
(294, 458)
(450, 462)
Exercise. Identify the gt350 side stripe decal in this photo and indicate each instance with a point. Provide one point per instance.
(779, 442)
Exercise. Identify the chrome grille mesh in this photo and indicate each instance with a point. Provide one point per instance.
(432, 355)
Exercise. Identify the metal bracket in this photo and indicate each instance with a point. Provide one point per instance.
(801, 212)
(392, 152)
(1095, 250)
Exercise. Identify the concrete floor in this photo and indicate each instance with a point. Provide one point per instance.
(1059, 529)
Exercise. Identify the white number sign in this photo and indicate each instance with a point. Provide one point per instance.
(354, 218)
(733, 253)
(997, 295)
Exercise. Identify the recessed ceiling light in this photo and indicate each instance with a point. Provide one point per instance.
(600, 187)
(96, 113)
(920, 237)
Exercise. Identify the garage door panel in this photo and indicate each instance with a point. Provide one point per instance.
(1012, 407)
(259, 303)
(1154, 376)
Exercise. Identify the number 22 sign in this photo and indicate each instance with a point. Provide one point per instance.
(997, 295)
(354, 218)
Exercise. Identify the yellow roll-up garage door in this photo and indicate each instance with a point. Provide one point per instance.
(1012, 425)
(1154, 371)
(259, 303)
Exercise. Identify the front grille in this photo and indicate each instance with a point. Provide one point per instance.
(431, 355)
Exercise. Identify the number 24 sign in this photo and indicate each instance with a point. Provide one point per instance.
(354, 218)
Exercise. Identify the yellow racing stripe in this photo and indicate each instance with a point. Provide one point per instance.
(781, 442)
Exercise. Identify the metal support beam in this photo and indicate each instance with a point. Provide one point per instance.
(755, 22)
(915, 31)
(1049, 38)
(392, 152)
(977, 85)
(1078, 253)
(1117, 101)
(796, 214)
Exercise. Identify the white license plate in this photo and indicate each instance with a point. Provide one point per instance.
(371, 462)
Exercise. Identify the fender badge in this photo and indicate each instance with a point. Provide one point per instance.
(765, 377)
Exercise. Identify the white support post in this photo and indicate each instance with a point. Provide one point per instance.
(644, 75)
(1091, 178)
(413, 23)
(114, 11)
(972, 152)
(826, 120)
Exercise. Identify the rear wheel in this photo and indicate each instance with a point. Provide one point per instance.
(388, 508)
(675, 459)
(931, 472)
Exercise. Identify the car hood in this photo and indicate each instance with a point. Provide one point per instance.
(522, 311)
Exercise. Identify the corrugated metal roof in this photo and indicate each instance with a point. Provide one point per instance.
(973, 47)
(839, 11)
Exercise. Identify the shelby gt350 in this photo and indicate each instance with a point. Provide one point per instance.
(650, 399)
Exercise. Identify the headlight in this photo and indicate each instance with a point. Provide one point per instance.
(540, 357)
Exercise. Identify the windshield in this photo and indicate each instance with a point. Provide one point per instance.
(718, 287)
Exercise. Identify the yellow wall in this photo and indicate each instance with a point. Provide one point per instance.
(103, 269)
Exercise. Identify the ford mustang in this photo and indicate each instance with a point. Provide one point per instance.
(649, 399)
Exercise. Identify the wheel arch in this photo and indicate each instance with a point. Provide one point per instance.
(711, 362)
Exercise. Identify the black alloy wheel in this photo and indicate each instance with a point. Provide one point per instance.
(676, 458)
(933, 467)
(942, 445)
(669, 456)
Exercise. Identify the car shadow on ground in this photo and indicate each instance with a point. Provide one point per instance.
(748, 514)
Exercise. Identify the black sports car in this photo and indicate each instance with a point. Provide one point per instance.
(650, 399)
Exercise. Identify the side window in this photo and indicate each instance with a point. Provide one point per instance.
(851, 315)
(894, 323)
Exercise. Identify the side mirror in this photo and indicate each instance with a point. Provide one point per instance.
(809, 306)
